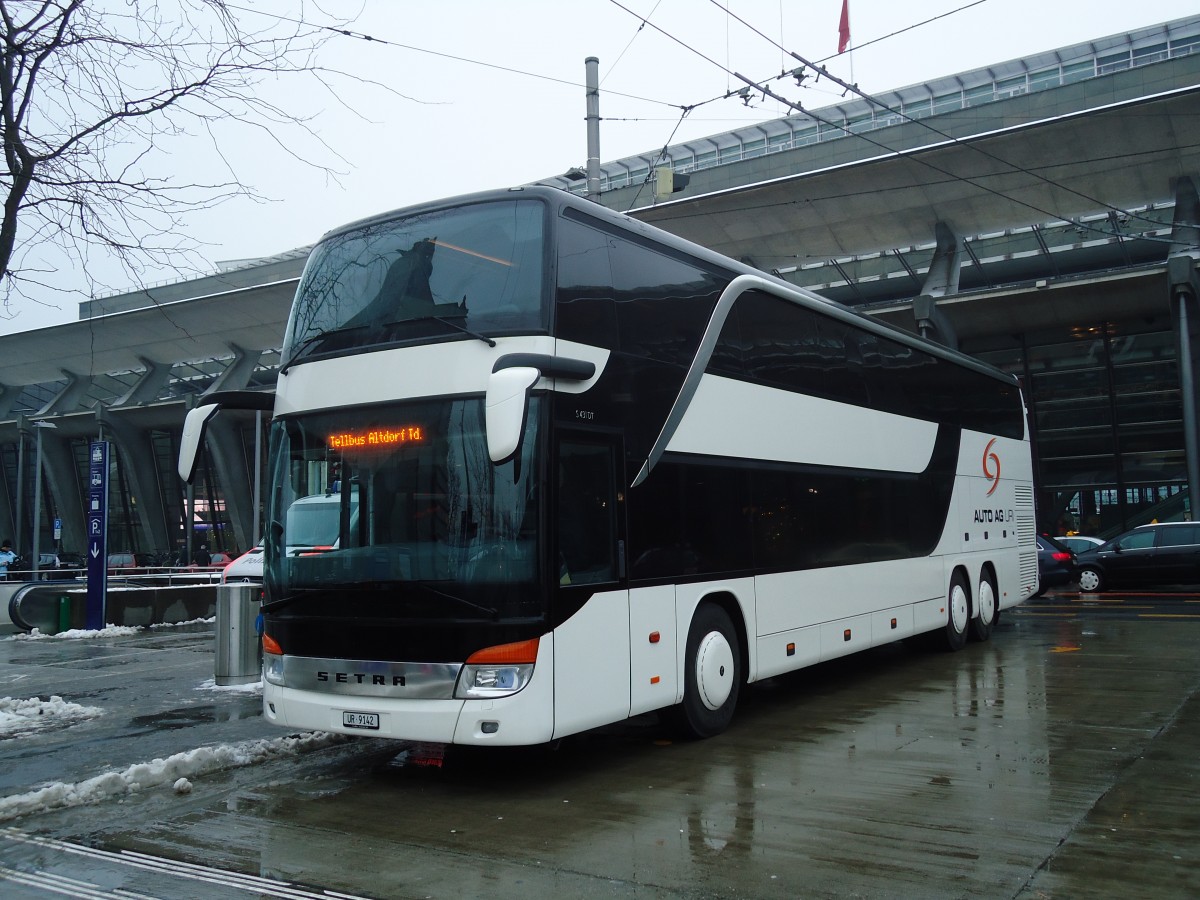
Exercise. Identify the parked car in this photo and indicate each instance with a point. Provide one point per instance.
(122, 563)
(1056, 564)
(69, 560)
(247, 567)
(1149, 555)
(1077, 543)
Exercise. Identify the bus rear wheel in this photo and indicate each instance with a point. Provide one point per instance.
(958, 612)
(712, 676)
(985, 608)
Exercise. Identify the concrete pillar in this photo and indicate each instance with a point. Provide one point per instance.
(147, 388)
(70, 398)
(237, 374)
(942, 281)
(226, 454)
(138, 466)
(224, 446)
(9, 394)
(63, 481)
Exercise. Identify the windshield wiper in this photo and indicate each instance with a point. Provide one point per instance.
(465, 330)
(309, 341)
(494, 613)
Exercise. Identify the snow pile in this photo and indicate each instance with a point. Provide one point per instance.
(75, 634)
(24, 716)
(253, 687)
(173, 771)
(201, 621)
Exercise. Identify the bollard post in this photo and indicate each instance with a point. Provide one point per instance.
(236, 656)
(64, 614)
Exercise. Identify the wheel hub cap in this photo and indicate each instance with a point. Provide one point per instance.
(714, 670)
(958, 608)
(987, 603)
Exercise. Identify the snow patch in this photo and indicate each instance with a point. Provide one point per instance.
(181, 767)
(35, 714)
(254, 687)
(201, 621)
(76, 634)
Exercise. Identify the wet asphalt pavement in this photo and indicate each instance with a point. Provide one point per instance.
(1057, 760)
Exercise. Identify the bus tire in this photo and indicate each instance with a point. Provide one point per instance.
(985, 608)
(712, 674)
(958, 612)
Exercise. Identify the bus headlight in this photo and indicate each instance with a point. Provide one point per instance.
(273, 668)
(497, 671)
(478, 682)
(272, 659)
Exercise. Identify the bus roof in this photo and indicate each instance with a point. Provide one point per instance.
(559, 200)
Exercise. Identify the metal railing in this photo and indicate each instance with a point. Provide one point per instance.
(158, 576)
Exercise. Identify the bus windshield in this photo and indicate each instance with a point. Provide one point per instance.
(476, 268)
(400, 507)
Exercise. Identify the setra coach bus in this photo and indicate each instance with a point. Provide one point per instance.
(582, 469)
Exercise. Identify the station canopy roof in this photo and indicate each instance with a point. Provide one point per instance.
(1117, 157)
(1122, 156)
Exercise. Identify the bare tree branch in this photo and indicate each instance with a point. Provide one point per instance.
(92, 95)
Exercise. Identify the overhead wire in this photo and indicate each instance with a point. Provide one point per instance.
(363, 36)
(899, 31)
(759, 86)
(841, 126)
(853, 88)
(621, 55)
(662, 154)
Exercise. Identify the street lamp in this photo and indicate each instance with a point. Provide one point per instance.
(41, 425)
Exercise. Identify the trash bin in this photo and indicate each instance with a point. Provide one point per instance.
(237, 660)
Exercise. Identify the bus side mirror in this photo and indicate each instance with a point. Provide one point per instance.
(194, 426)
(197, 421)
(505, 406)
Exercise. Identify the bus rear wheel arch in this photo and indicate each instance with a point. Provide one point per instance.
(714, 669)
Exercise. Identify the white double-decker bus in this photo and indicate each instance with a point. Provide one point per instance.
(584, 470)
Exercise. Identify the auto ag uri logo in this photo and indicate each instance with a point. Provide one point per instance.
(991, 467)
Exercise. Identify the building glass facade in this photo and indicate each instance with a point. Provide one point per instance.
(1106, 422)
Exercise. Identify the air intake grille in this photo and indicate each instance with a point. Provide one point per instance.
(1026, 536)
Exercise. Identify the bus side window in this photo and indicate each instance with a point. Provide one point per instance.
(586, 514)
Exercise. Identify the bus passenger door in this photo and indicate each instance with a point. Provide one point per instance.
(591, 647)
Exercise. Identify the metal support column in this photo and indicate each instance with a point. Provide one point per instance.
(1184, 298)
(592, 72)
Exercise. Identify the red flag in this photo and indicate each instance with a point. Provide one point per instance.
(844, 27)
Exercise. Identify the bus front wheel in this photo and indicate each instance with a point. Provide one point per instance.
(713, 675)
(958, 612)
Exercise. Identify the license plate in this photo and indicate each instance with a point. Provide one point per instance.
(360, 720)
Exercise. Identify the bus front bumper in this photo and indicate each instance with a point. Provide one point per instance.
(523, 718)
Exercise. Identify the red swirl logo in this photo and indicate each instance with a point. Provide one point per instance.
(991, 467)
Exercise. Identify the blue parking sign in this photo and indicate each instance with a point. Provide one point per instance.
(97, 534)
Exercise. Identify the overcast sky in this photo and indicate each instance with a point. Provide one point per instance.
(470, 126)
